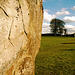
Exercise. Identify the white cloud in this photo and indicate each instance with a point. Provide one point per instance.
(46, 24)
(43, 0)
(73, 8)
(48, 17)
(70, 29)
(69, 26)
(69, 19)
(45, 28)
(62, 12)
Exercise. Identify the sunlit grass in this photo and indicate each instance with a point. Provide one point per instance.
(56, 56)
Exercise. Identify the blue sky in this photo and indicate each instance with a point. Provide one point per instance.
(61, 9)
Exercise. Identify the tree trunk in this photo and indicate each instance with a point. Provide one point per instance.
(55, 27)
(20, 35)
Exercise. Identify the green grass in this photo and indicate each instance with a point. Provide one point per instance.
(56, 56)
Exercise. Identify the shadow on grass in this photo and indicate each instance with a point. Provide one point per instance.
(68, 50)
(69, 43)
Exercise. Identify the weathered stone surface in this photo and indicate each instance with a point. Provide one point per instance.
(20, 35)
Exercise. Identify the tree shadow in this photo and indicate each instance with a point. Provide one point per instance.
(68, 50)
(69, 43)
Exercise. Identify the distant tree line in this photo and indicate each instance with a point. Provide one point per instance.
(57, 27)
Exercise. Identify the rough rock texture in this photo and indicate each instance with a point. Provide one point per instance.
(20, 35)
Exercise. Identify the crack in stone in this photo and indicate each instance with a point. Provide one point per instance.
(4, 11)
(10, 33)
(22, 19)
(2, 50)
(11, 43)
(36, 1)
(10, 28)
(14, 73)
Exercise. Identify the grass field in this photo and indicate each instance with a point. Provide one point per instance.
(56, 56)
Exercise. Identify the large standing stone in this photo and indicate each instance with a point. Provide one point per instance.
(20, 35)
